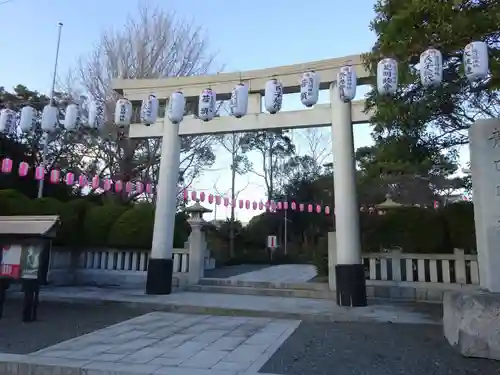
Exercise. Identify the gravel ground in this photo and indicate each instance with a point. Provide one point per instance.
(57, 322)
(372, 349)
(228, 271)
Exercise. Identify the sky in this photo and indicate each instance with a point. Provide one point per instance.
(246, 34)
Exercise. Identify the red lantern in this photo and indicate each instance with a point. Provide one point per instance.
(6, 165)
(23, 169)
(149, 188)
(193, 195)
(55, 175)
(218, 200)
(202, 196)
(247, 205)
(39, 173)
(241, 203)
(210, 198)
(95, 182)
(226, 201)
(254, 205)
(118, 186)
(301, 207)
(261, 205)
(139, 187)
(185, 194)
(278, 206)
(107, 184)
(82, 181)
(327, 210)
(294, 206)
(69, 179)
(318, 209)
(128, 187)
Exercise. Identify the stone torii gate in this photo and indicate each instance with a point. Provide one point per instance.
(350, 276)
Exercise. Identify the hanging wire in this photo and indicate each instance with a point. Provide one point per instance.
(6, 2)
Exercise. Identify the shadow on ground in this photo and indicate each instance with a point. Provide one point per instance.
(229, 271)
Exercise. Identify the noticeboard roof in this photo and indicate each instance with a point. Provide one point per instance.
(39, 226)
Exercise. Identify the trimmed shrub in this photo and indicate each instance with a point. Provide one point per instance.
(98, 223)
(134, 228)
(460, 226)
(46, 206)
(12, 202)
(71, 232)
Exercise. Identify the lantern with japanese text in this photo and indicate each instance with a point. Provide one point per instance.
(476, 64)
(118, 186)
(254, 205)
(7, 120)
(149, 189)
(218, 200)
(7, 165)
(139, 187)
(123, 113)
(106, 185)
(202, 196)
(210, 198)
(239, 100)
(149, 110)
(176, 107)
(71, 117)
(82, 181)
(23, 169)
(28, 119)
(50, 115)
(347, 83)
(206, 105)
(327, 210)
(273, 98)
(387, 76)
(69, 178)
(129, 187)
(39, 173)
(309, 88)
(431, 67)
(261, 206)
(55, 176)
(96, 114)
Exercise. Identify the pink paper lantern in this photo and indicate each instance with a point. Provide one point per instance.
(23, 169)
(149, 188)
(261, 206)
(6, 165)
(82, 181)
(233, 203)
(254, 205)
(247, 205)
(218, 200)
(185, 194)
(301, 207)
(318, 209)
(55, 176)
(285, 205)
(193, 196)
(202, 196)
(309, 208)
(128, 187)
(241, 203)
(273, 206)
(119, 186)
(268, 205)
(226, 202)
(95, 182)
(294, 206)
(327, 210)
(210, 198)
(107, 184)
(139, 187)
(69, 178)
(278, 206)
(39, 173)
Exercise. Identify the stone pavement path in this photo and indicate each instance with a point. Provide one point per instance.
(174, 344)
(283, 273)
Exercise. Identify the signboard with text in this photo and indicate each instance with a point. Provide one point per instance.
(272, 242)
(10, 265)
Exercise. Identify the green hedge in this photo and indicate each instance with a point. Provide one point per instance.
(134, 228)
(98, 223)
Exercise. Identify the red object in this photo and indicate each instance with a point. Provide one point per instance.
(226, 201)
(118, 186)
(69, 179)
(327, 210)
(55, 176)
(82, 181)
(278, 206)
(139, 187)
(6, 165)
(318, 209)
(202, 196)
(301, 207)
(294, 206)
(128, 187)
(149, 188)
(218, 200)
(261, 206)
(23, 169)
(39, 173)
(247, 205)
(254, 205)
(95, 182)
(10, 270)
(285, 205)
(241, 203)
(193, 195)
(185, 194)
(107, 184)
(210, 198)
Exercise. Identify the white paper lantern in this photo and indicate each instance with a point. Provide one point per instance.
(7, 120)
(28, 119)
(431, 67)
(347, 83)
(387, 76)
(476, 63)
(71, 117)
(149, 110)
(309, 88)
(176, 107)
(96, 114)
(206, 110)
(239, 101)
(123, 113)
(273, 98)
(50, 116)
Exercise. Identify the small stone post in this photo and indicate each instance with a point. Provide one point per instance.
(197, 242)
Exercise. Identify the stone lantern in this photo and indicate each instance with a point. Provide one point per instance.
(387, 205)
(197, 241)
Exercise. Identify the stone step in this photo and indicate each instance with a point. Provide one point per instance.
(264, 284)
(268, 292)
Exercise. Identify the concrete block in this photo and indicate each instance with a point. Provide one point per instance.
(471, 323)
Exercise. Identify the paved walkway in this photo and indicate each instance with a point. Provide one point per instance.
(284, 273)
(173, 344)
